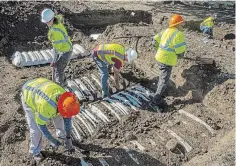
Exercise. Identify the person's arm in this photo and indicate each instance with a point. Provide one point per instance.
(52, 39)
(60, 18)
(116, 76)
(116, 69)
(156, 40)
(180, 45)
(68, 127)
(48, 135)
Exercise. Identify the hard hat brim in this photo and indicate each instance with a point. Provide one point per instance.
(42, 20)
(175, 24)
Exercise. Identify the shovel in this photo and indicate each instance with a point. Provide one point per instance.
(203, 61)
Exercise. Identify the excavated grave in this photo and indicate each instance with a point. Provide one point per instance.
(32, 58)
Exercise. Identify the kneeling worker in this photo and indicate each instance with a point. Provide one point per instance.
(42, 100)
(111, 54)
(207, 26)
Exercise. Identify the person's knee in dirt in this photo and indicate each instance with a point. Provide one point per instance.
(207, 26)
(170, 45)
(114, 56)
(43, 100)
(61, 43)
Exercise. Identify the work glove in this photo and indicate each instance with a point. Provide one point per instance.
(110, 69)
(56, 56)
(54, 144)
(182, 55)
(68, 144)
(117, 86)
(52, 64)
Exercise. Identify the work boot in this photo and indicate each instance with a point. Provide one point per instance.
(38, 158)
(156, 105)
(105, 95)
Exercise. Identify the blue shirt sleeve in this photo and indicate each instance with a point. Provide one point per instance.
(47, 134)
(67, 122)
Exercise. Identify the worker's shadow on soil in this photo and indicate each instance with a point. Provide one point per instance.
(199, 80)
(59, 157)
(119, 156)
(113, 156)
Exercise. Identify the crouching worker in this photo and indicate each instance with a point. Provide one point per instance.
(170, 45)
(43, 100)
(207, 26)
(115, 55)
(61, 43)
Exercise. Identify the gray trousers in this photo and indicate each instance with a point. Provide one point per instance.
(165, 72)
(58, 73)
(35, 133)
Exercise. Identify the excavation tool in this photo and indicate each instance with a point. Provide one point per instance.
(53, 71)
(137, 36)
(203, 61)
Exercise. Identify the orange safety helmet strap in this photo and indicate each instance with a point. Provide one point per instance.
(175, 20)
(60, 105)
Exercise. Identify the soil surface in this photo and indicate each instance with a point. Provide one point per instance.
(143, 137)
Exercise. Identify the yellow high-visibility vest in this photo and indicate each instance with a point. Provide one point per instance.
(59, 38)
(40, 95)
(171, 43)
(208, 22)
(106, 52)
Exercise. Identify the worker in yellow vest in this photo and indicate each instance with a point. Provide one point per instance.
(61, 43)
(170, 45)
(207, 26)
(43, 100)
(115, 55)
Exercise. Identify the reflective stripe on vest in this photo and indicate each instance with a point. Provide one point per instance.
(180, 45)
(103, 52)
(35, 91)
(65, 38)
(207, 21)
(166, 47)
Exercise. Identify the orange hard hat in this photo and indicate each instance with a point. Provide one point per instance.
(68, 105)
(175, 20)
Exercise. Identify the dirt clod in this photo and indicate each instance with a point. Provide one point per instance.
(130, 136)
(172, 145)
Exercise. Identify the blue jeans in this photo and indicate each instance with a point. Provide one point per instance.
(103, 68)
(206, 30)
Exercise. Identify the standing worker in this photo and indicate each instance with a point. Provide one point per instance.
(170, 45)
(207, 26)
(61, 44)
(111, 54)
(42, 100)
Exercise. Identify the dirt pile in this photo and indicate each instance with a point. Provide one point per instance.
(144, 138)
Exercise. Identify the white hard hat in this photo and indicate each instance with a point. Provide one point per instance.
(131, 55)
(47, 15)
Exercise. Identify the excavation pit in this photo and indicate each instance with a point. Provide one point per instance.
(96, 21)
